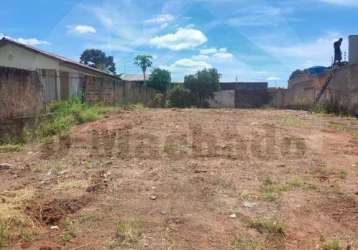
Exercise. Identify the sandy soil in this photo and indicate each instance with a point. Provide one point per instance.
(187, 179)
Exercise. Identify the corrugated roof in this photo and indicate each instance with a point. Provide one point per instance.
(134, 77)
(6, 40)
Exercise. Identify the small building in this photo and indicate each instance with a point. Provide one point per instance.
(61, 78)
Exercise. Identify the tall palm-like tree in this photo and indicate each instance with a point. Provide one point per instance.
(143, 62)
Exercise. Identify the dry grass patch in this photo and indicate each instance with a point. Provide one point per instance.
(247, 243)
(332, 245)
(71, 184)
(128, 233)
(14, 223)
(291, 120)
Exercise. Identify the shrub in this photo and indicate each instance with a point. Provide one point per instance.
(202, 85)
(180, 98)
(158, 101)
(65, 114)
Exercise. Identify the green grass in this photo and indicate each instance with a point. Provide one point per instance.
(65, 114)
(4, 234)
(343, 174)
(10, 148)
(271, 190)
(66, 237)
(332, 245)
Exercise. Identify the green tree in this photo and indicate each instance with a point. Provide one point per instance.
(160, 80)
(202, 85)
(143, 62)
(180, 97)
(97, 59)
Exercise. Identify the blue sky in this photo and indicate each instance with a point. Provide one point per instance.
(253, 40)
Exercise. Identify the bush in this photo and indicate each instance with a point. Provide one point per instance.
(180, 98)
(65, 114)
(202, 85)
(158, 101)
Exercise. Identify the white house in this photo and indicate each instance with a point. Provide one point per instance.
(60, 77)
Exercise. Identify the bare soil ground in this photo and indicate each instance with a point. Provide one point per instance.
(186, 179)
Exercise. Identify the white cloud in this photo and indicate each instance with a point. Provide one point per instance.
(223, 55)
(273, 78)
(82, 29)
(31, 41)
(160, 19)
(187, 66)
(201, 57)
(183, 38)
(216, 53)
(342, 2)
(212, 51)
(208, 51)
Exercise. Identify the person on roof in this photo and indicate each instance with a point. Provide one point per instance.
(338, 52)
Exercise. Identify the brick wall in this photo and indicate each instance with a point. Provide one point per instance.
(116, 92)
(21, 93)
(341, 94)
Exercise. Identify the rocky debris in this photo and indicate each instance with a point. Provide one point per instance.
(99, 182)
(153, 197)
(249, 204)
(5, 166)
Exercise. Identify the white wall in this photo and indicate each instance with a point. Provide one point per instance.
(17, 57)
(223, 99)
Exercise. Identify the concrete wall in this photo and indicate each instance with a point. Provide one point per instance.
(21, 93)
(251, 98)
(223, 99)
(341, 94)
(16, 57)
(116, 92)
(21, 97)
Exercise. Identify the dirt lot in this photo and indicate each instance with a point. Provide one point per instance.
(186, 179)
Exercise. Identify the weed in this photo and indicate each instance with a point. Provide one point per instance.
(291, 121)
(271, 190)
(267, 226)
(9, 148)
(26, 234)
(343, 174)
(321, 109)
(71, 184)
(332, 245)
(87, 218)
(67, 237)
(337, 126)
(4, 235)
(64, 115)
(246, 243)
(355, 133)
(128, 232)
